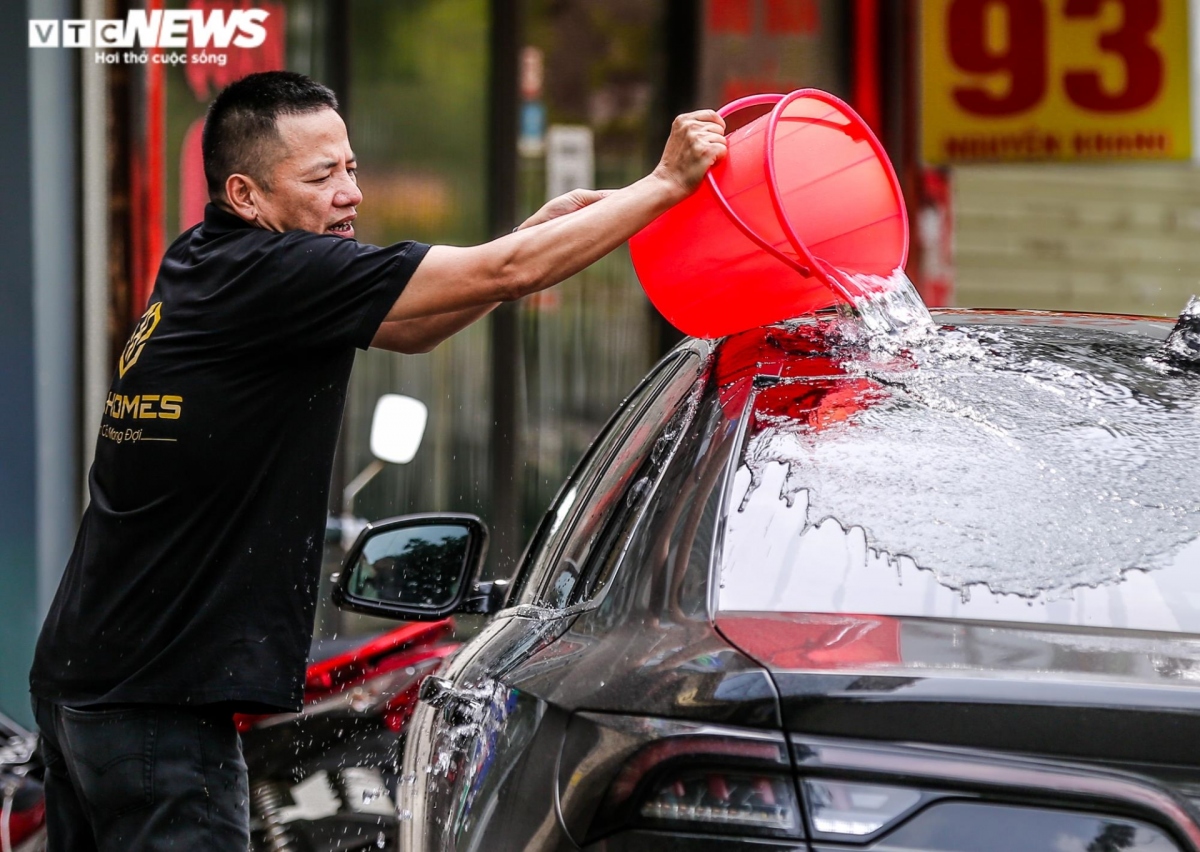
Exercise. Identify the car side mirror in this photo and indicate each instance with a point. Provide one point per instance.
(418, 567)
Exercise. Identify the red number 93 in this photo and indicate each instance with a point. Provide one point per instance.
(1023, 59)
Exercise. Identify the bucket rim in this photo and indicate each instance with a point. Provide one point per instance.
(729, 109)
(881, 157)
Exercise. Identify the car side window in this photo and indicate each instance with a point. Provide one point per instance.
(604, 480)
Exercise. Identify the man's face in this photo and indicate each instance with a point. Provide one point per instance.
(313, 183)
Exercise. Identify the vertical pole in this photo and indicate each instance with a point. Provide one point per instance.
(681, 51)
(1194, 74)
(505, 512)
(910, 97)
(866, 62)
(54, 204)
(125, 105)
(149, 225)
(895, 99)
(681, 41)
(97, 369)
(337, 47)
(18, 467)
(338, 77)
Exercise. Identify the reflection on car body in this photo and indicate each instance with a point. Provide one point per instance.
(771, 609)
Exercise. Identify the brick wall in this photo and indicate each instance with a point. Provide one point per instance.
(1120, 238)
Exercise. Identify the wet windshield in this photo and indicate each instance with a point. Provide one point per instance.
(1032, 473)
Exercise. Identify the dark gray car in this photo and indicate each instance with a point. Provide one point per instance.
(807, 593)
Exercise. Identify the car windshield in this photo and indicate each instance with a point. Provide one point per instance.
(1029, 472)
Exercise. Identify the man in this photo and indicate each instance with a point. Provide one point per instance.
(191, 589)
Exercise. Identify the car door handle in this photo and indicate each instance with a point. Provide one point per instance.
(437, 691)
(458, 707)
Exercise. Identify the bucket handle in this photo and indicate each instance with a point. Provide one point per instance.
(859, 131)
(726, 111)
(749, 102)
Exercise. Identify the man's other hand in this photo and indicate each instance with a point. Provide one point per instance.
(697, 142)
(574, 200)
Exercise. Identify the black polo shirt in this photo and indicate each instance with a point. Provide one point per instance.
(195, 571)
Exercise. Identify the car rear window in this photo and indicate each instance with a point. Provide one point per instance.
(1019, 473)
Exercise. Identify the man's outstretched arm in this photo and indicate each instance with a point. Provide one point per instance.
(452, 280)
(415, 336)
(423, 334)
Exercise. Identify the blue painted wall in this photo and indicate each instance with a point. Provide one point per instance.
(18, 458)
(40, 482)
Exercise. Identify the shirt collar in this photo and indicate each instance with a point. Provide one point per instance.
(218, 221)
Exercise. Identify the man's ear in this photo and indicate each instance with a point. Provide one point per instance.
(243, 195)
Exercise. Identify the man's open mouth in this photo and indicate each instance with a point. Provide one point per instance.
(344, 228)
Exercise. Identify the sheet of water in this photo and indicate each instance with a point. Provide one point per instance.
(884, 310)
(1025, 460)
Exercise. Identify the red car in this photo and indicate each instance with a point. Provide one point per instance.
(22, 802)
(323, 779)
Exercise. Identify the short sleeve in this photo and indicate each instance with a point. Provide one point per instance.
(337, 291)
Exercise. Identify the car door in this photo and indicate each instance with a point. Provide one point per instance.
(474, 740)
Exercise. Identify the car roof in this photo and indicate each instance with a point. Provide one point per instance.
(1036, 462)
(757, 351)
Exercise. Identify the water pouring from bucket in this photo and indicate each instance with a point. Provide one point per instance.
(804, 213)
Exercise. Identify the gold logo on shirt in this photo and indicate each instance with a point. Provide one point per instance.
(137, 341)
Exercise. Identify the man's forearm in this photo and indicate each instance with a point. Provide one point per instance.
(553, 251)
(452, 278)
(423, 334)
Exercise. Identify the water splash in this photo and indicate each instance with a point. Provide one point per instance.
(884, 313)
(1183, 346)
(1027, 459)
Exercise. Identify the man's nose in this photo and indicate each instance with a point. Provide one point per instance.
(348, 194)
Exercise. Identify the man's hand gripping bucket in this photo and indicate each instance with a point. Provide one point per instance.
(806, 199)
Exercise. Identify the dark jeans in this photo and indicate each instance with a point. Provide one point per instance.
(140, 778)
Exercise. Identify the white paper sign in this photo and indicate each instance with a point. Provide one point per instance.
(570, 159)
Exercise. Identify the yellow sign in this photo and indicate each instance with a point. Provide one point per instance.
(1054, 80)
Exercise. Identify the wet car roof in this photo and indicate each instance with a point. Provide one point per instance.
(1024, 466)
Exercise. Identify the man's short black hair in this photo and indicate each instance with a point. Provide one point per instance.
(240, 134)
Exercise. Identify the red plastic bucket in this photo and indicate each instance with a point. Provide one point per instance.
(805, 192)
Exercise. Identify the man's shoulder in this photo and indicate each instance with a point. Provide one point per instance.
(243, 246)
(296, 241)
